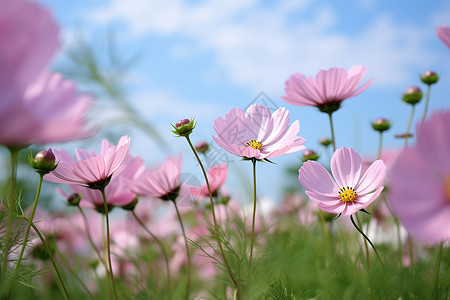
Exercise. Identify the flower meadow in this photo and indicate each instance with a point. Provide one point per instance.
(349, 228)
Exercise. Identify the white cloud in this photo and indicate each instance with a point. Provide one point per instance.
(259, 47)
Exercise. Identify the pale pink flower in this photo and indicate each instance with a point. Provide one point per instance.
(330, 87)
(163, 183)
(217, 175)
(443, 32)
(258, 133)
(36, 106)
(419, 182)
(117, 192)
(349, 190)
(91, 170)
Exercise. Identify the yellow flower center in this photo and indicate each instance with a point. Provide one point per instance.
(347, 194)
(254, 144)
(447, 187)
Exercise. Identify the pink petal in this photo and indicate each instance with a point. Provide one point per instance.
(346, 167)
(372, 178)
(315, 178)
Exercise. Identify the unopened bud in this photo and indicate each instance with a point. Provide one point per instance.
(381, 124)
(429, 77)
(325, 141)
(74, 199)
(44, 162)
(412, 95)
(184, 127)
(309, 154)
(202, 147)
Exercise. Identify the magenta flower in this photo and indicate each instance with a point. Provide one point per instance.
(327, 90)
(35, 106)
(257, 133)
(348, 190)
(163, 183)
(91, 170)
(419, 182)
(443, 32)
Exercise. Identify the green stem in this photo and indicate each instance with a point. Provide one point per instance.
(252, 240)
(427, 100)
(188, 284)
(108, 243)
(437, 268)
(365, 243)
(366, 238)
(333, 141)
(11, 200)
(380, 145)
(216, 229)
(408, 128)
(27, 232)
(74, 274)
(163, 250)
(52, 259)
(88, 234)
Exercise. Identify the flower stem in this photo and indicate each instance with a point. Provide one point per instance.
(380, 145)
(52, 259)
(252, 240)
(437, 268)
(108, 243)
(408, 128)
(365, 237)
(216, 229)
(427, 100)
(188, 284)
(27, 232)
(365, 242)
(11, 200)
(88, 234)
(333, 141)
(163, 250)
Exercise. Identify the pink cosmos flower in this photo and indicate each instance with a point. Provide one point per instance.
(419, 182)
(330, 87)
(443, 32)
(349, 190)
(258, 133)
(91, 170)
(118, 192)
(217, 175)
(35, 106)
(163, 183)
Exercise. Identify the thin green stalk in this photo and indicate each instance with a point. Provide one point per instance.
(27, 232)
(163, 250)
(252, 240)
(188, 284)
(365, 242)
(437, 268)
(380, 145)
(74, 274)
(427, 100)
(408, 128)
(108, 243)
(216, 230)
(88, 234)
(366, 238)
(333, 141)
(11, 209)
(52, 259)
(325, 234)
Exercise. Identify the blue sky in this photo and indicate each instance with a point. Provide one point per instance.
(201, 58)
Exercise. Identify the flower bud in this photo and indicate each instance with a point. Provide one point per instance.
(74, 199)
(381, 124)
(184, 127)
(202, 147)
(325, 141)
(429, 77)
(412, 95)
(43, 162)
(309, 154)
